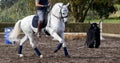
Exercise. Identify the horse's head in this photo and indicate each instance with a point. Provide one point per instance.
(60, 11)
(94, 25)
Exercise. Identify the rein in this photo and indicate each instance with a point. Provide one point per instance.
(60, 17)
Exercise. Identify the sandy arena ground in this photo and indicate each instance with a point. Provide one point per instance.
(109, 52)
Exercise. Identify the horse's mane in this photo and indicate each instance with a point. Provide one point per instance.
(56, 7)
(60, 4)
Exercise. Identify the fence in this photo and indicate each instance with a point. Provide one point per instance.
(78, 27)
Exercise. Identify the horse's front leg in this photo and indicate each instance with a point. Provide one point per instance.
(64, 45)
(60, 38)
(57, 37)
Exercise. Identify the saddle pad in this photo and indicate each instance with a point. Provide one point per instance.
(35, 21)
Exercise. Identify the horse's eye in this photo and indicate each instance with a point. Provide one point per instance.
(63, 13)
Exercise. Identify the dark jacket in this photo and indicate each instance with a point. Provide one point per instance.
(43, 2)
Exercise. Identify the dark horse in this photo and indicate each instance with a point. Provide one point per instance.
(93, 36)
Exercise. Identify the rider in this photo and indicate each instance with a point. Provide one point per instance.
(41, 9)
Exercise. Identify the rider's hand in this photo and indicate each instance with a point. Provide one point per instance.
(45, 5)
(49, 4)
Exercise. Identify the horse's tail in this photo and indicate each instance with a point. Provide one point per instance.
(15, 32)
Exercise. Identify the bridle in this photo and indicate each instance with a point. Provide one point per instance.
(61, 17)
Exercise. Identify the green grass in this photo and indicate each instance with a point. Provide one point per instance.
(113, 18)
(110, 20)
(117, 6)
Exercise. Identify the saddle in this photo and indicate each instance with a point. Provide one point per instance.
(35, 22)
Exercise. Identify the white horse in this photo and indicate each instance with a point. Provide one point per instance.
(55, 27)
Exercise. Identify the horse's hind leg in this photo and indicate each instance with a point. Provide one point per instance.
(22, 41)
(32, 43)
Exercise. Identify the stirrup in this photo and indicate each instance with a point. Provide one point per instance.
(38, 35)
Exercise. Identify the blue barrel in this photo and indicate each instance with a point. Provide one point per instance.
(6, 35)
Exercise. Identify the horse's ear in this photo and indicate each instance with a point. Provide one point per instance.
(67, 4)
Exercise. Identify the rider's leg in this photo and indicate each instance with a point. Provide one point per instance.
(39, 28)
(40, 14)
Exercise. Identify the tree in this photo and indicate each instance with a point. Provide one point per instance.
(103, 8)
(79, 9)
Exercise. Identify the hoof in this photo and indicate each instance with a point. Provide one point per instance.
(20, 55)
(41, 56)
(68, 56)
(55, 51)
(13, 43)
